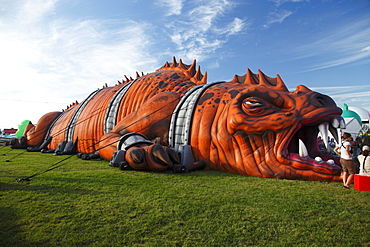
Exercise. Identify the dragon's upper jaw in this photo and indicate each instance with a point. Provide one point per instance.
(302, 148)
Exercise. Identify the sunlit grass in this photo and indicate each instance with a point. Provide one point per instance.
(88, 203)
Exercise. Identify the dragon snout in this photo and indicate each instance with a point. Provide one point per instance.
(316, 99)
(321, 100)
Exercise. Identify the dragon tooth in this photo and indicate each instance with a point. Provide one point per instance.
(334, 133)
(335, 123)
(324, 127)
(342, 123)
(302, 149)
(339, 134)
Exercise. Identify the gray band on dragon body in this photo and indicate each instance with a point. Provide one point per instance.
(72, 123)
(55, 122)
(110, 118)
(181, 120)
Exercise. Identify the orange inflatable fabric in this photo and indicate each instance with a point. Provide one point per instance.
(251, 125)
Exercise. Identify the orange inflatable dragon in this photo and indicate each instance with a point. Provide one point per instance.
(251, 125)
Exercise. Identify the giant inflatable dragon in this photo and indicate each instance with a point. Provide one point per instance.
(251, 125)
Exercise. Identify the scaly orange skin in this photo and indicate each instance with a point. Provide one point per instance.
(243, 126)
(254, 134)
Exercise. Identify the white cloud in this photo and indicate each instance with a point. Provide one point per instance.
(351, 95)
(199, 31)
(280, 2)
(33, 11)
(366, 49)
(235, 27)
(277, 16)
(347, 44)
(49, 63)
(174, 7)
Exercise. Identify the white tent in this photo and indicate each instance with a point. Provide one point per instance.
(362, 112)
(352, 120)
(352, 126)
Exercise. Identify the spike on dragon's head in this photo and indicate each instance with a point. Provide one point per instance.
(191, 71)
(261, 79)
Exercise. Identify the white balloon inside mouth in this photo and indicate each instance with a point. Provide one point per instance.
(330, 162)
(318, 159)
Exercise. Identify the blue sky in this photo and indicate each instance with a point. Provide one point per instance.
(56, 52)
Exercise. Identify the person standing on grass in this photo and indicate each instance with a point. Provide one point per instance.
(348, 166)
(364, 160)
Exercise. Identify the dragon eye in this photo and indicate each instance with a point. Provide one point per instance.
(257, 106)
(252, 103)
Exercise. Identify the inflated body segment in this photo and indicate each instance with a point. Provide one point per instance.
(251, 125)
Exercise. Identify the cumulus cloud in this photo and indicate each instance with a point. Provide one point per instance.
(73, 52)
(64, 60)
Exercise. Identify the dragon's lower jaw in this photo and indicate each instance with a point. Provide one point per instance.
(318, 165)
(302, 149)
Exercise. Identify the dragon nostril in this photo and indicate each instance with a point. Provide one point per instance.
(323, 100)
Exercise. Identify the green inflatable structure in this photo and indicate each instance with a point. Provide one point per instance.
(21, 128)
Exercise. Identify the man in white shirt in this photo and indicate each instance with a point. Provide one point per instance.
(364, 160)
(348, 166)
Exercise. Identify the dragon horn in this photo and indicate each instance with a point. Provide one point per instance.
(182, 65)
(192, 69)
(250, 78)
(281, 84)
(261, 79)
(204, 79)
(174, 63)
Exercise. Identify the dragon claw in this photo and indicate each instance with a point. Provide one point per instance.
(160, 155)
(137, 155)
(151, 157)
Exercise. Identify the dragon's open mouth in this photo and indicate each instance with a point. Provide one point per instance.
(303, 148)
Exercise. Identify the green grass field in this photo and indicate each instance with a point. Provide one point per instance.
(88, 203)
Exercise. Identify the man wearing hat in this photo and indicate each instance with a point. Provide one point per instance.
(364, 160)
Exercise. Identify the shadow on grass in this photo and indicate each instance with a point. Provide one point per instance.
(11, 233)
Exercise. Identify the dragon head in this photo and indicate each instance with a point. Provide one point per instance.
(273, 132)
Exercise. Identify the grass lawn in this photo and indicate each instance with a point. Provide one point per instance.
(88, 203)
